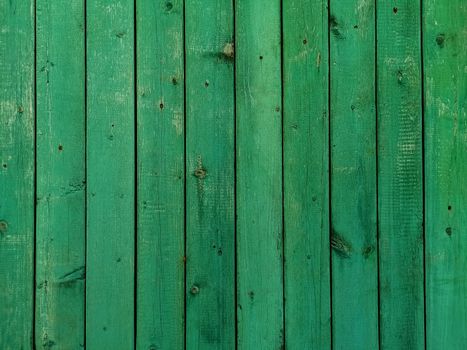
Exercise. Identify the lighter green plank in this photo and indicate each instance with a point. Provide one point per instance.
(110, 175)
(210, 318)
(16, 173)
(353, 175)
(306, 203)
(60, 235)
(259, 175)
(445, 59)
(160, 290)
(400, 195)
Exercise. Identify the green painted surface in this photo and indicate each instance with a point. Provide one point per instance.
(225, 174)
(259, 175)
(60, 210)
(400, 181)
(445, 57)
(110, 175)
(160, 263)
(16, 174)
(210, 225)
(306, 203)
(353, 175)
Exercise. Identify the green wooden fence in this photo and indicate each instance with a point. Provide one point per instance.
(233, 174)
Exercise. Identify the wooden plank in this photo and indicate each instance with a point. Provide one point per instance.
(353, 176)
(161, 270)
(400, 193)
(210, 280)
(259, 175)
(16, 173)
(306, 203)
(110, 175)
(60, 234)
(445, 57)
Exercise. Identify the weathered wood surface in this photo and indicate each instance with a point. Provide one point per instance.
(220, 174)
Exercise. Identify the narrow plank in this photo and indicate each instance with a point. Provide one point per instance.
(16, 173)
(110, 175)
(210, 280)
(160, 275)
(306, 202)
(400, 192)
(259, 175)
(353, 176)
(60, 233)
(445, 57)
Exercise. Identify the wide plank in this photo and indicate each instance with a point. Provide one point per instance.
(110, 175)
(445, 59)
(210, 153)
(259, 175)
(400, 175)
(60, 217)
(16, 174)
(306, 180)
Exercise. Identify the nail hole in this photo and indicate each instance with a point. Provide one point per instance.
(449, 207)
(449, 231)
(260, 57)
(161, 106)
(395, 9)
(305, 41)
(206, 83)
(60, 147)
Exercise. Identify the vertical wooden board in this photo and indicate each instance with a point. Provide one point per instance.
(353, 175)
(259, 175)
(445, 57)
(16, 173)
(110, 175)
(400, 193)
(306, 202)
(160, 275)
(60, 218)
(210, 280)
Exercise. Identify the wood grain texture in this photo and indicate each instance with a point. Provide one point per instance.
(60, 232)
(400, 193)
(16, 173)
(353, 175)
(110, 175)
(259, 175)
(445, 57)
(210, 152)
(160, 267)
(306, 202)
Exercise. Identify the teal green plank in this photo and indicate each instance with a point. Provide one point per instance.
(160, 276)
(445, 57)
(60, 238)
(210, 241)
(400, 193)
(110, 175)
(16, 173)
(259, 175)
(306, 203)
(353, 176)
